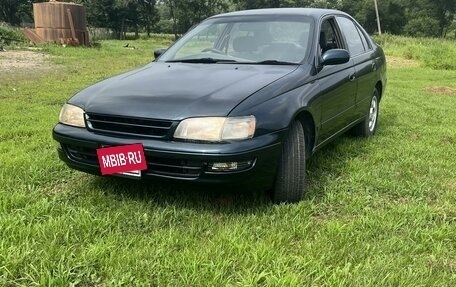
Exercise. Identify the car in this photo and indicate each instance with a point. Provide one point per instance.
(244, 97)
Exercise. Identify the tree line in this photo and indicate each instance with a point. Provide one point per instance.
(426, 18)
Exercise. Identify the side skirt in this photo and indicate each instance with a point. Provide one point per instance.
(337, 134)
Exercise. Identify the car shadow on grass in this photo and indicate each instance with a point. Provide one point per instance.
(163, 193)
(326, 165)
(331, 163)
(222, 198)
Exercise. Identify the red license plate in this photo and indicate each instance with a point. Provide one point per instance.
(126, 160)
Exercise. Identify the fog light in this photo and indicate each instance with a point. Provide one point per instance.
(230, 166)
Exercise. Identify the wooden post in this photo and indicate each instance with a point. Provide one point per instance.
(73, 33)
(378, 18)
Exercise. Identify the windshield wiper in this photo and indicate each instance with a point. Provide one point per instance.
(274, 62)
(202, 61)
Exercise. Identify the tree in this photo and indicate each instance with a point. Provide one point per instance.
(186, 13)
(412, 17)
(149, 16)
(391, 12)
(424, 14)
(15, 11)
(122, 15)
(423, 27)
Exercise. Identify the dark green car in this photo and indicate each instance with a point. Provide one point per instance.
(244, 97)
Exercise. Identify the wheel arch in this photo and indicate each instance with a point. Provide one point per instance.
(379, 87)
(307, 120)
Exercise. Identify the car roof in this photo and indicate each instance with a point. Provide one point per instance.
(311, 12)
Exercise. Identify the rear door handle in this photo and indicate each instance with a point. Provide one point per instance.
(352, 77)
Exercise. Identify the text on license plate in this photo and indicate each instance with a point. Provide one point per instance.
(128, 160)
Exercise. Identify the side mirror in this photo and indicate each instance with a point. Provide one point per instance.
(159, 52)
(335, 57)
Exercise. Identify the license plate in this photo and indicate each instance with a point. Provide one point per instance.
(127, 160)
(133, 174)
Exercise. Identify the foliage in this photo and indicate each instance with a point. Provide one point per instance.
(15, 11)
(378, 212)
(10, 35)
(430, 18)
(422, 27)
(392, 15)
(122, 15)
(433, 53)
(184, 14)
(429, 12)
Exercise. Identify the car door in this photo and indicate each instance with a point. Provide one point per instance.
(363, 57)
(337, 84)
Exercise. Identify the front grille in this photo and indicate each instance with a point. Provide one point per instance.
(81, 154)
(188, 169)
(128, 126)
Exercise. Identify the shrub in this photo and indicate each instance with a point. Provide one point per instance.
(9, 34)
(423, 27)
(435, 53)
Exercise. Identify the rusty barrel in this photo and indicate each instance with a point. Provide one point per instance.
(53, 22)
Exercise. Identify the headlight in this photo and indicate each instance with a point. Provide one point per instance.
(216, 128)
(72, 116)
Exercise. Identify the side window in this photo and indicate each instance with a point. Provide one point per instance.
(366, 43)
(328, 37)
(350, 31)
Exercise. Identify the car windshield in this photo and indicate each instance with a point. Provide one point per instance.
(256, 40)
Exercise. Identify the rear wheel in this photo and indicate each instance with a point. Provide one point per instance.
(368, 126)
(290, 178)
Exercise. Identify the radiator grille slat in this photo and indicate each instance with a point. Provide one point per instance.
(126, 126)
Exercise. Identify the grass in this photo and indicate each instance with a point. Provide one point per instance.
(435, 53)
(378, 212)
(10, 35)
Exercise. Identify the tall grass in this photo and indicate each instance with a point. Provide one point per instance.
(434, 53)
(10, 35)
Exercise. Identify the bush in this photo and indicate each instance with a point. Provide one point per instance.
(97, 34)
(8, 35)
(165, 26)
(423, 27)
(440, 57)
(451, 32)
(158, 37)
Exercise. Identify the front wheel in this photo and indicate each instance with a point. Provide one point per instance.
(368, 126)
(290, 178)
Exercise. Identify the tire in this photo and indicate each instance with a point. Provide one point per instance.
(290, 178)
(368, 126)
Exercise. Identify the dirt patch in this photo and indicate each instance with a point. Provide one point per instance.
(441, 90)
(415, 137)
(23, 62)
(447, 140)
(398, 62)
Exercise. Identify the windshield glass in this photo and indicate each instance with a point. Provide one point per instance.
(281, 40)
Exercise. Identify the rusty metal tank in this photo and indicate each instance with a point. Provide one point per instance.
(60, 22)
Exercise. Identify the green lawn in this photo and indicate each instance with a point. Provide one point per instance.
(378, 212)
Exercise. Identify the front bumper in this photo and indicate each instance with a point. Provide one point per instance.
(178, 160)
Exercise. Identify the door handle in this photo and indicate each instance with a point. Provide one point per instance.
(352, 77)
(374, 66)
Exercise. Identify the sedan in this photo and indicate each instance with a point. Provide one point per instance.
(244, 97)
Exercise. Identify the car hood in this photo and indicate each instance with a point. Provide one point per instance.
(175, 91)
